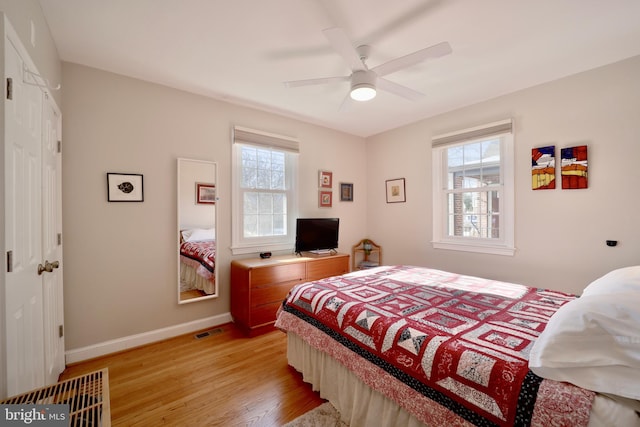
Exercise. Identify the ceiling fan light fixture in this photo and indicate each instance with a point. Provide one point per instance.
(363, 86)
(363, 92)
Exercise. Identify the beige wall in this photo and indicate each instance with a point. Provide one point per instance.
(560, 234)
(120, 259)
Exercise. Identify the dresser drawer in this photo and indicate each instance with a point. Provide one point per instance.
(265, 294)
(264, 314)
(327, 267)
(278, 274)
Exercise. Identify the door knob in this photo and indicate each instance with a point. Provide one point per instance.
(48, 267)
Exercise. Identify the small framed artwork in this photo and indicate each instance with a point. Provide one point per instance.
(205, 193)
(324, 200)
(574, 169)
(346, 192)
(325, 179)
(124, 187)
(395, 190)
(543, 168)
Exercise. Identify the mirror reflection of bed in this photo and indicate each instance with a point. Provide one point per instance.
(197, 202)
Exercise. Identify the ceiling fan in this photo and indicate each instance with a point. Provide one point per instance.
(364, 80)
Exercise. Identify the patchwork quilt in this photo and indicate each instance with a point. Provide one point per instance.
(200, 255)
(451, 349)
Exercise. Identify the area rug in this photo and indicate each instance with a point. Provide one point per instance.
(324, 415)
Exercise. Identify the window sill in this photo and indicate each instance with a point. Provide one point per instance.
(479, 248)
(243, 250)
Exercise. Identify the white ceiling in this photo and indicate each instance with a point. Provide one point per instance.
(242, 51)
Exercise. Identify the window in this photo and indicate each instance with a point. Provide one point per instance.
(473, 190)
(264, 170)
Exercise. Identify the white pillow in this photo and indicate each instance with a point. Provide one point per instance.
(198, 234)
(594, 343)
(625, 279)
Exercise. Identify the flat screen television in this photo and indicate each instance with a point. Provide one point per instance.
(316, 234)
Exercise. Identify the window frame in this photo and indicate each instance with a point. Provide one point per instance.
(252, 138)
(504, 245)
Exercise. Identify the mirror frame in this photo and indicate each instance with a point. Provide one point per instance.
(179, 209)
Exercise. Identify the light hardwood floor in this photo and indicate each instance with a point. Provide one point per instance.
(225, 379)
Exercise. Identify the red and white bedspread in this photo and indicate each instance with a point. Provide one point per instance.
(450, 349)
(200, 255)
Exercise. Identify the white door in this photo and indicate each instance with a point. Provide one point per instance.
(33, 226)
(52, 243)
(23, 229)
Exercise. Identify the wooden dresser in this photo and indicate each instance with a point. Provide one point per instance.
(258, 286)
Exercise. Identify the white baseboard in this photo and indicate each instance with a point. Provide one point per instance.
(125, 343)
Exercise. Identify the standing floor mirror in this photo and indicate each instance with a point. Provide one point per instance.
(197, 205)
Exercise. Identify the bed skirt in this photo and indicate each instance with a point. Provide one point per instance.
(189, 275)
(360, 406)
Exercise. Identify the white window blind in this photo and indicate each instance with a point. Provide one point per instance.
(250, 136)
(479, 132)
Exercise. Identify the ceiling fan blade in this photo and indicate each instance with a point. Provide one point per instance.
(399, 90)
(341, 43)
(346, 104)
(435, 51)
(309, 82)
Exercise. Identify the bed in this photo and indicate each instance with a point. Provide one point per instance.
(198, 260)
(411, 346)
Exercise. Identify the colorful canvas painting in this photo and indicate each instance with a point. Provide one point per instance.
(574, 167)
(543, 168)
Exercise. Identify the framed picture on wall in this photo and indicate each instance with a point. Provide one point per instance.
(543, 168)
(124, 187)
(324, 200)
(325, 179)
(575, 168)
(395, 191)
(346, 192)
(205, 193)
